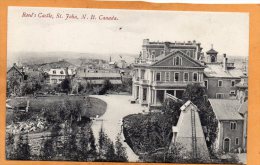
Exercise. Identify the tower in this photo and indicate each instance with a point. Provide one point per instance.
(189, 133)
(212, 55)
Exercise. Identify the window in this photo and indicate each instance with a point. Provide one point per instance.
(233, 125)
(206, 83)
(158, 76)
(220, 83)
(162, 51)
(237, 141)
(177, 61)
(186, 76)
(176, 76)
(167, 76)
(233, 83)
(54, 81)
(195, 77)
(220, 96)
(232, 93)
(142, 74)
(54, 72)
(153, 52)
(61, 72)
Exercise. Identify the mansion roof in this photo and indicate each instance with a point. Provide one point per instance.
(165, 61)
(226, 109)
(216, 70)
(59, 72)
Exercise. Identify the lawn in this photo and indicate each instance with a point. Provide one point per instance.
(92, 106)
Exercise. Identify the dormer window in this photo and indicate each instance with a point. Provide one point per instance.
(177, 61)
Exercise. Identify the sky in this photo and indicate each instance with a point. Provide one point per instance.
(228, 32)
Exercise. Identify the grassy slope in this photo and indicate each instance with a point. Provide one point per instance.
(97, 106)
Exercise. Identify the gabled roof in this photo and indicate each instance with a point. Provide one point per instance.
(216, 70)
(16, 68)
(188, 103)
(212, 51)
(180, 53)
(226, 109)
(184, 122)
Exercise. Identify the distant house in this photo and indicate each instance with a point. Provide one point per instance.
(15, 76)
(17, 73)
(188, 133)
(220, 78)
(56, 76)
(230, 125)
(99, 78)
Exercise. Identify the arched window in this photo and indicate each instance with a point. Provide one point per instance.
(177, 61)
(226, 145)
(213, 59)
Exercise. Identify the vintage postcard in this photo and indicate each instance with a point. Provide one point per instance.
(118, 85)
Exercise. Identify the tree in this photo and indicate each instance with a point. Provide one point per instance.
(110, 152)
(10, 146)
(92, 150)
(120, 151)
(23, 151)
(171, 110)
(13, 85)
(101, 140)
(47, 152)
(66, 85)
(196, 94)
(105, 87)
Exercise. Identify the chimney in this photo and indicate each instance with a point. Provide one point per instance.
(225, 59)
(145, 41)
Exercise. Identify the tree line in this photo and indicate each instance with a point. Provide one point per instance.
(72, 145)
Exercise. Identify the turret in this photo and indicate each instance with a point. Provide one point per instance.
(212, 55)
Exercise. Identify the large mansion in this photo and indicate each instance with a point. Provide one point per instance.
(167, 67)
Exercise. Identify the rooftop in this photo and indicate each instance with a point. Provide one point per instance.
(216, 70)
(212, 51)
(59, 72)
(226, 109)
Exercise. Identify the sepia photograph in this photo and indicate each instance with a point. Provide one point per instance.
(114, 85)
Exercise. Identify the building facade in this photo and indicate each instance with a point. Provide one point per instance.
(230, 137)
(220, 78)
(56, 76)
(170, 70)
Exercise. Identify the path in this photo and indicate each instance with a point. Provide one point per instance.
(118, 106)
